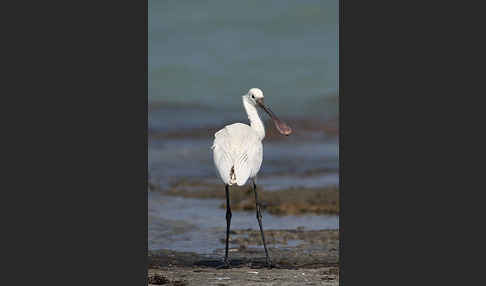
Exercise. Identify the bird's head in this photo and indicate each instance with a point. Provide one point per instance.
(255, 97)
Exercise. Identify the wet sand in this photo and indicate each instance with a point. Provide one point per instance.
(300, 257)
(290, 201)
(244, 276)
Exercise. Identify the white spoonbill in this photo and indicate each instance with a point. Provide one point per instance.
(238, 155)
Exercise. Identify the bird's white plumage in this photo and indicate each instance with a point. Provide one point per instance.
(238, 149)
(237, 146)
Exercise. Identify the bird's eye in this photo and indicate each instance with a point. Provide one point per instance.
(252, 96)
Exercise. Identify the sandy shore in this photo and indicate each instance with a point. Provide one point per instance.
(301, 258)
(243, 276)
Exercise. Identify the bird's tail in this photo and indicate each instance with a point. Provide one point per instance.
(232, 179)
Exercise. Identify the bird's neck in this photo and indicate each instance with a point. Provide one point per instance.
(255, 121)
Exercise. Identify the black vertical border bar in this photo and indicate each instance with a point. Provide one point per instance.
(79, 202)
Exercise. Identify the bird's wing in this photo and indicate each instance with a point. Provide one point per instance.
(221, 156)
(248, 163)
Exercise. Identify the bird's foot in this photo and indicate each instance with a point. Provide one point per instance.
(269, 263)
(225, 265)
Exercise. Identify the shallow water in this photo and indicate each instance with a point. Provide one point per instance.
(196, 225)
(275, 183)
(171, 160)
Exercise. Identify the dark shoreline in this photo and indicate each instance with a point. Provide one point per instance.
(303, 128)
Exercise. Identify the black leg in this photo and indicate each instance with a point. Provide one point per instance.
(259, 218)
(228, 223)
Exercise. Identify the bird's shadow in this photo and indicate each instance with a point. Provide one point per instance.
(216, 263)
(236, 263)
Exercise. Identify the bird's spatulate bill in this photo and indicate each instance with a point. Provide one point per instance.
(281, 126)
